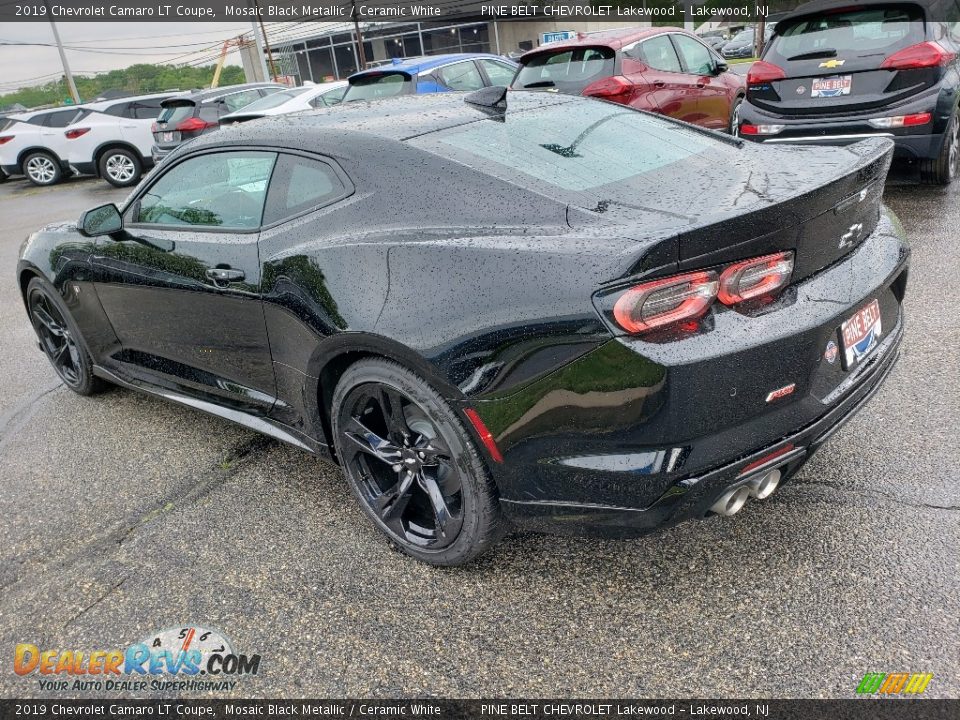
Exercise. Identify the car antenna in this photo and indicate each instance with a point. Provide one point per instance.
(489, 97)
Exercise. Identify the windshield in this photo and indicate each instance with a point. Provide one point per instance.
(176, 112)
(569, 70)
(275, 99)
(378, 85)
(859, 33)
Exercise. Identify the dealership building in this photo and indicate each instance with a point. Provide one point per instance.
(331, 52)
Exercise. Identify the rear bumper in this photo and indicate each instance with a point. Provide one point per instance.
(158, 153)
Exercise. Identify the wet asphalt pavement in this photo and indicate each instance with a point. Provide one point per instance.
(123, 515)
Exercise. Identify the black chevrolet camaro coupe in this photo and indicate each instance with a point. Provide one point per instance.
(502, 308)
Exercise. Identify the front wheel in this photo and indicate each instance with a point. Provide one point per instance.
(42, 169)
(412, 465)
(121, 168)
(942, 169)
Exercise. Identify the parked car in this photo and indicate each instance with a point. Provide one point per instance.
(599, 349)
(663, 70)
(714, 41)
(741, 45)
(290, 100)
(33, 145)
(878, 69)
(190, 115)
(432, 74)
(113, 139)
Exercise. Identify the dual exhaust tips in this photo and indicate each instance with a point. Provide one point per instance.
(760, 487)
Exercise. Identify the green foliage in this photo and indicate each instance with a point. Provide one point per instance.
(137, 80)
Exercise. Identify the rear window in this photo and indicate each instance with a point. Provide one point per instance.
(569, 70)
(590, 147)
(275, 99)
(176, 112)
(855, 33)
(381, 85)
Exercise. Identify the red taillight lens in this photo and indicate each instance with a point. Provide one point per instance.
(194, 123)
(154, 128)
(610, 88)
(4, 139)
(762, 72)
(76, 132)
(755, 277)
(921, 55)
(654, 304)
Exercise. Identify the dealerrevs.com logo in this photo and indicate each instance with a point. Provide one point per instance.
(181, 659)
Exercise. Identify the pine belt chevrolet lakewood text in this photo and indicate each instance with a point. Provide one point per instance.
(525, 307)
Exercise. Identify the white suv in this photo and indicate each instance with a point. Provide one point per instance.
(33, 144)
(113, 139)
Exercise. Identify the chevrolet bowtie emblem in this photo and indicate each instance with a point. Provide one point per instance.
(832, 63)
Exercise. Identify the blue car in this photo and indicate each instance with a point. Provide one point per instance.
(431, 74)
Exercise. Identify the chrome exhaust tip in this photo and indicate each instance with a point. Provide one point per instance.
(731, 501)
(763, 486)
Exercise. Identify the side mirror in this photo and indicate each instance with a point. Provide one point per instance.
(720, 67)
(103, 220)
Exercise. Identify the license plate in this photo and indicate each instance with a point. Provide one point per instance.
(166, 137)
(861, 333)
(831, 86)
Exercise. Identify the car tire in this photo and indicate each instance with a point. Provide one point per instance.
(60, 339)
(735, 117)
(120, 167)
(42, 168)
(385, 420)
(942, 169)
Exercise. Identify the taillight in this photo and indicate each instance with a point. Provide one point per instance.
(76, 132)
(154, 128)
(748, 129)
(193, 124)
(666, 301)
(609, 88)
(4, 139)
(762, 72)
(755, 277)
(897, 121)
(921, 55)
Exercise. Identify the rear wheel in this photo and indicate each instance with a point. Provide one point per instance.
(411, 463)
(735, 117)
(942, 169)
(42, 168)
(60, 339)
(120, 167)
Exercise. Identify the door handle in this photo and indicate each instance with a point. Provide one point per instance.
(225, 275)
(658, 83)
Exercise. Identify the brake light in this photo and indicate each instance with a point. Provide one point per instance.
(755, 277)
(748, 129)
(76, 132)
(4, 139)
(921, 55)
(193, 124)
(609, 87)
(897, 121)
(762, 72)
(666, 301)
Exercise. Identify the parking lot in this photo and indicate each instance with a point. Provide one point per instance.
(124, 516)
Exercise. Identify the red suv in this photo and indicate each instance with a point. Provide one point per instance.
(663, 70)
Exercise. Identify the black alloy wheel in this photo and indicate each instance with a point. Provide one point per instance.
(60, 339)
(410, 462)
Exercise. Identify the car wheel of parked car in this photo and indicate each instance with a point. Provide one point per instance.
(120, 168)
(942, 169)
(735, 117)
(60, 339)
(410, 462)
(42, 169)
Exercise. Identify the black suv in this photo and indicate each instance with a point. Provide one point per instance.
(187, 116)
(833, 75)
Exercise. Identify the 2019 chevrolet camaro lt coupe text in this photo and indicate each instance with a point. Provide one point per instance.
(502, 307)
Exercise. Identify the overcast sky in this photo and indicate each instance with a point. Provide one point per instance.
(111, 45)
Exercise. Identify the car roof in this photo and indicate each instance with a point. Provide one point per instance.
(412, 66)
(348, 129)
(211, 93)
(932, 8)
(614, 39)
(103, 104)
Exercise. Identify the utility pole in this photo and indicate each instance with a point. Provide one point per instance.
(361, 56)
(266, 41)
(259, 41)
(63, 56)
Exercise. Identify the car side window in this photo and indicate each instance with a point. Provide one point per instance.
(460, 76)
(300, 184)
(498, 72)
(241, 99)
(329, 99)
(697, 60)
(217, 190)
(658, 53)
(61, 119)
(118, 110)
(146, 109)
